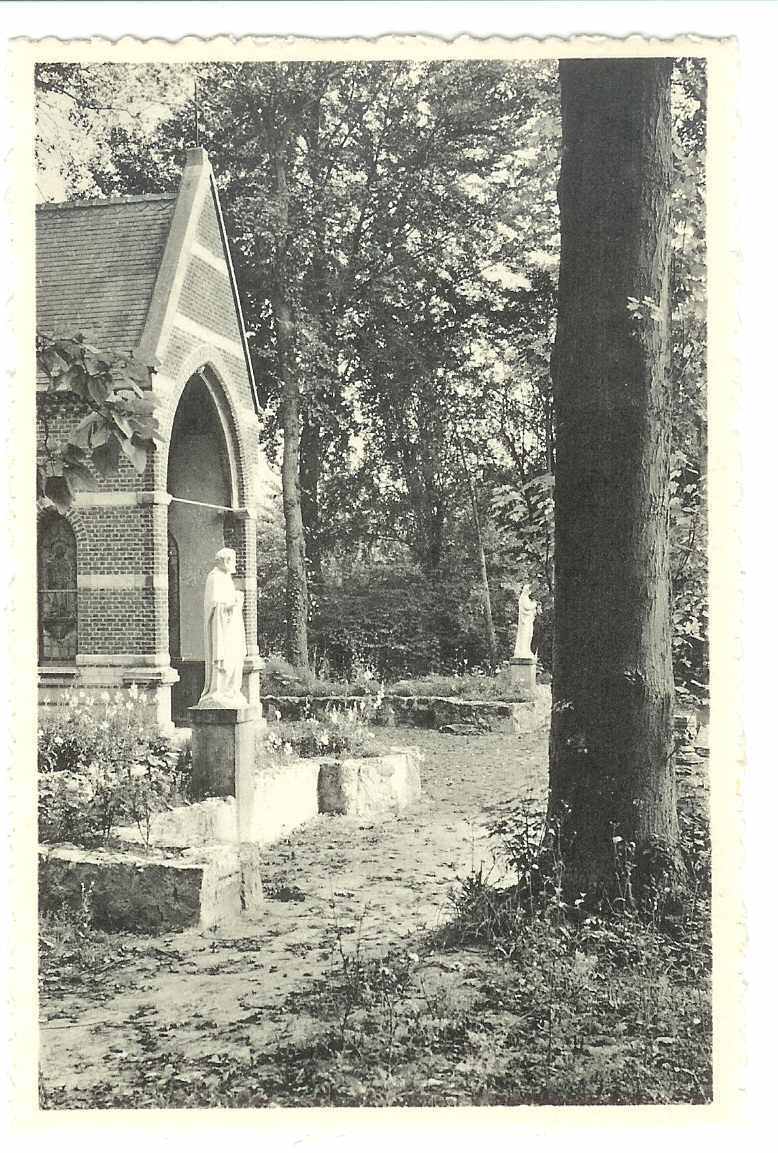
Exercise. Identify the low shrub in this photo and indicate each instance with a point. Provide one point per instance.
(99, 766)
(281, 679)
(467, 686)
(342, 732)
(530, 844)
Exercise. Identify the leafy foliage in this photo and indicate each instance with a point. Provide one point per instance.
(98, 766)
(112, 388)
(342, 732)
(395, 233)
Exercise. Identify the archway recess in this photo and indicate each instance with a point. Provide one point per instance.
(202, 490)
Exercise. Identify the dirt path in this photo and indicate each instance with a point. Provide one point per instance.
(376, 882)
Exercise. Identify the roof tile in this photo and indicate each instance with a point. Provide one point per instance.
(97, 262)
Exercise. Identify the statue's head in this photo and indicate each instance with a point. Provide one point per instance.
(226, 559)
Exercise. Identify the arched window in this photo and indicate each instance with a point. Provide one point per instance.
(57, 591)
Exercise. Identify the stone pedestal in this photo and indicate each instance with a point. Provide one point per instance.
(523, 674)
(252, 669)
(223, 751)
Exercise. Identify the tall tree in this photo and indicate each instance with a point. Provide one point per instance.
(611, 751)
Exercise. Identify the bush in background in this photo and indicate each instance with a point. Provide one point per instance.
(391, 622)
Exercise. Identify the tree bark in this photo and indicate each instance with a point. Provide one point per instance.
(611, 750)
(310, 475)
(288, 372)
(296, 577)
(491, 638)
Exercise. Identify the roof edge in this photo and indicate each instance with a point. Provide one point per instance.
(103, 202)
(167, 287)
(234, 289)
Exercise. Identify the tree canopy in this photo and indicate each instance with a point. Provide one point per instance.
(396, 240)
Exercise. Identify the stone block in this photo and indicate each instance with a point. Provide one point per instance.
(413, 710)
(271, 802)
(294, 708)
(367, 786)
(488, 716)
(223, 747)
(522, 674)
(528, 716)
(284, 797)
(213, 821)
(200, 887)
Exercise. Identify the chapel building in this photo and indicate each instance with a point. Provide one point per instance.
(121, 576)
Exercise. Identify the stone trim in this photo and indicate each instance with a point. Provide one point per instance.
(56, 674)
(105, 499)
(162, 385)
(217, 262)
(154, 496)
(248, 416)
(172, 270)
(206, 361)
(120, 499)
(123, 660)
(126, 580)
(207, 335)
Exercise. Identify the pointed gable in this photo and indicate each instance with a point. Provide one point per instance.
(195, 297)
(149, 274)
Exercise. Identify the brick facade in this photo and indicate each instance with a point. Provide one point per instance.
(193, 330)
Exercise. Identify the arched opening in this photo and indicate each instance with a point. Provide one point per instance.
(57, 591)
(173, 599)
(201, 487)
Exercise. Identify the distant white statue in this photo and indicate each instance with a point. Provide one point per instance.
(225, 636)
(527, 612)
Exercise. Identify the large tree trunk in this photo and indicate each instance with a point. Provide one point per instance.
(296, 578)
(611, 752)
(310, 475)
(491, 638)
(288, 372)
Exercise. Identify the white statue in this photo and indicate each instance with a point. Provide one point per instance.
(527, 611)
(225, 636)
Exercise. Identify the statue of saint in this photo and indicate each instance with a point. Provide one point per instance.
(225, 636)
(527, 611)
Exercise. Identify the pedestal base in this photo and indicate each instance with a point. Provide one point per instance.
(223, 749)
(522, 674)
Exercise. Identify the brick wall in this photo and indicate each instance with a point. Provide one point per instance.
(117, 620)
(208, 233)
(59, 413)
(132, 540)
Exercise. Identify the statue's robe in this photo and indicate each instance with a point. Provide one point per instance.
(527, 611)
(225, 638)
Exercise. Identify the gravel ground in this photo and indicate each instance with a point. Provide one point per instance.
(377, 883)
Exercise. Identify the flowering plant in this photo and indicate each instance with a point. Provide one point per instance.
(98, 766)
(342, 732)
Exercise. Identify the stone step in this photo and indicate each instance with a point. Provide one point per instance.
(201, 887)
